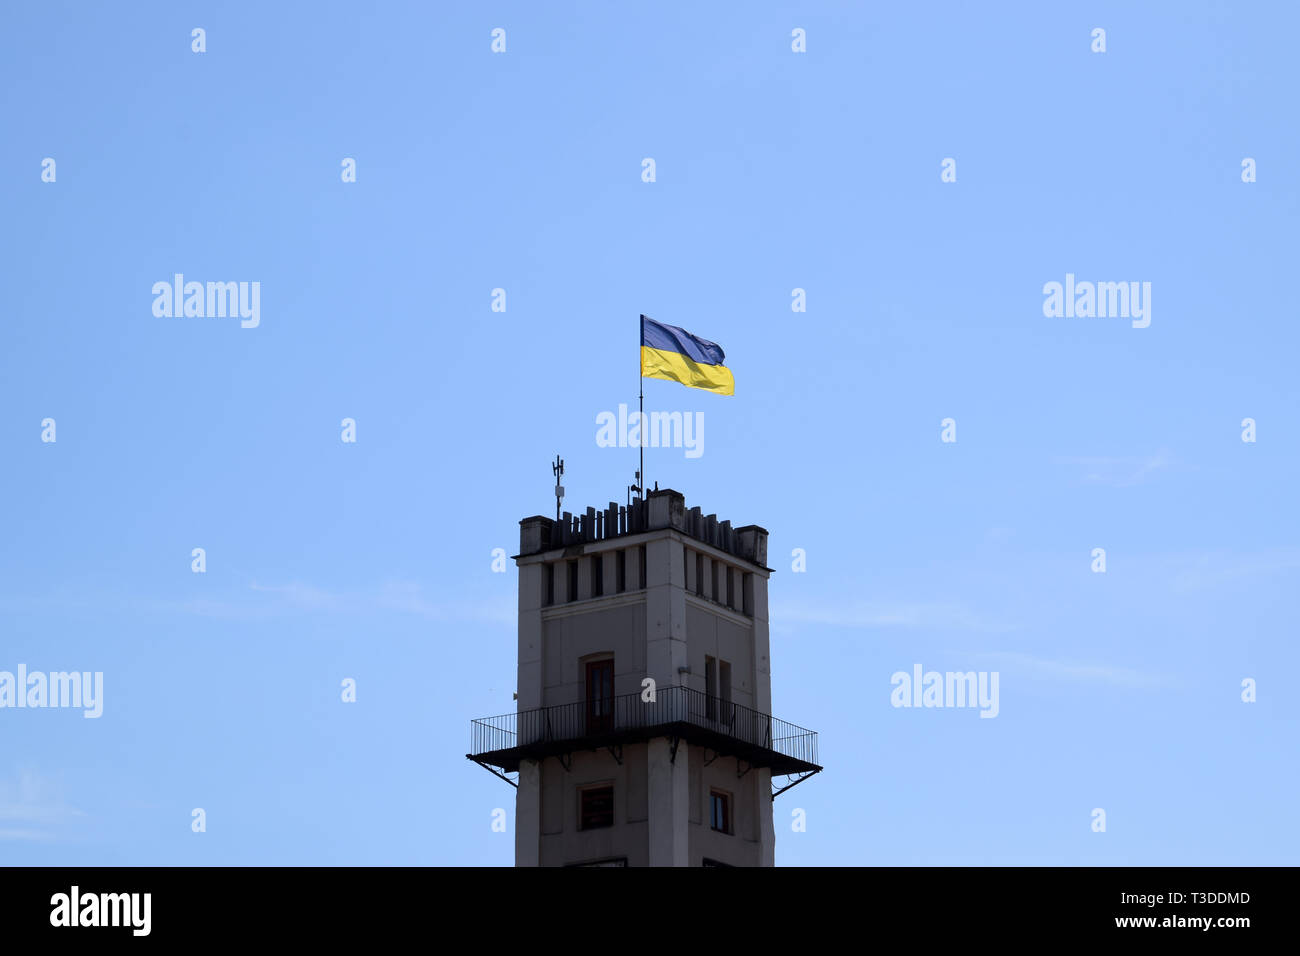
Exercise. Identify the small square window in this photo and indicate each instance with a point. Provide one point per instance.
(596, 808)
(720, 811)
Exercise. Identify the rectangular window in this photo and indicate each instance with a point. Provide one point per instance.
(549, 571)
(597, 575)
(600, 696)
(596, 808)
(642, 555)
(731, 587)
(716, 594)
(621, 563)
(573, 580)
(726, 711)
(719, 811)
(699, 574)
(710, 688)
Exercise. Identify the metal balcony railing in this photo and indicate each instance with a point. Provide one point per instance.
(679, 711)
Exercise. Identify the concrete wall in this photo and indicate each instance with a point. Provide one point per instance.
(722, 636)
(562, 843)
(661, 814)
(661, 809)
(611, 625)
(750, 799)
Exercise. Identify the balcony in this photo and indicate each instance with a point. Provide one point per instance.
(759, 740)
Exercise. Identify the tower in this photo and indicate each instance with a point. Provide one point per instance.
(644, 734)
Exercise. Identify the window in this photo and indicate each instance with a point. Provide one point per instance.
(710, 688)
(727, 713)
(597, 575)
(699, 574)
(621, 571)
(600, 696)
(717, 689)
(720, 811)
(731, 588)
(549, 571)
(596, 808)
(612, 861)
(716, 594)
(573, 581)
(642, 569)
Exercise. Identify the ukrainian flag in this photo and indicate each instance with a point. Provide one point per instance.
(673, 353)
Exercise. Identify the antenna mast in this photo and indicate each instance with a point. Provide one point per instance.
(637, 488)
(558, 470)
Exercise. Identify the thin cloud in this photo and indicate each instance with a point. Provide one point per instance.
(1204, 571)
(35, 805)
(409, 596)
(270, 601)
(1120, 472)
(1039, 668)
(35, 836)
(303, 596)
(404, 597)
(870, 615)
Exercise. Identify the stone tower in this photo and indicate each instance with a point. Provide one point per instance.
(644, 734)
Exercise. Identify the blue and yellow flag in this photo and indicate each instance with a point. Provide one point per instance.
(673, 353)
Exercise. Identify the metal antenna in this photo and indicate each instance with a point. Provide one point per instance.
(632, 488)
(558, 470)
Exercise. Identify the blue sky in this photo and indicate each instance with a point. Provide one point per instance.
(774, 171)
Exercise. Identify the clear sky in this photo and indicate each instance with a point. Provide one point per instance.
(774, 171)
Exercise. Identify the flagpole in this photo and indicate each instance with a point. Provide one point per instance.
(641, 406)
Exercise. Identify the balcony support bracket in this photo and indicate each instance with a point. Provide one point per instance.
(494, 771)
(801, 779)
(566, 761)
(616, 751)
(715, 756)
(672, 757)
(741, 773)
